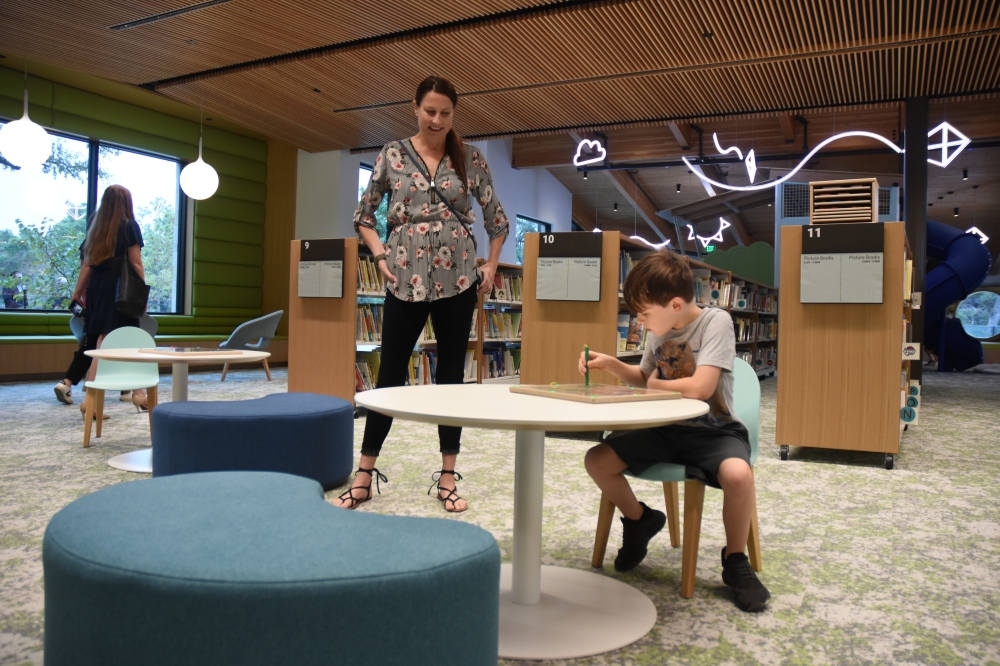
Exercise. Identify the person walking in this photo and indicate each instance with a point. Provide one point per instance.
(113, 236)
(429, 264)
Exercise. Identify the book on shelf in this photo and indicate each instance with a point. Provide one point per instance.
(368, 323)
(745, 329)
(702, 285)
(502, 326)
(470, 365)
(719, 292)
(501, 363)
(623, 319)
(767, 330)
(766, 358)
(507, 287)
(370, 279)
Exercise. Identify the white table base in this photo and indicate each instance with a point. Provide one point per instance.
(553, 612)
(141, 461)
(579, 614)
(135, 461)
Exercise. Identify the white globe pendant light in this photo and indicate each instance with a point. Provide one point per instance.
(24, 143)
(198, 179)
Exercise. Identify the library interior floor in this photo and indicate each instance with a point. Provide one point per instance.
(865, 565)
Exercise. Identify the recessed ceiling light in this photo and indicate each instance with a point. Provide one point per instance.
(939, 198)
(950, 192)
(930, 204)
(207, 119)
(678, 187)
(316, 90)
(707, 35)
(192, 41)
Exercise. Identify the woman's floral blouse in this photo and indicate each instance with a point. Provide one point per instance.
(430, 251)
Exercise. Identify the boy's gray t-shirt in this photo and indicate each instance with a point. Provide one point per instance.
(708, 340)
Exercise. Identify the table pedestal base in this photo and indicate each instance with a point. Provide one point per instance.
(580, 614)
(135, 461)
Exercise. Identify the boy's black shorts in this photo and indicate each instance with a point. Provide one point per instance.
(701, 450)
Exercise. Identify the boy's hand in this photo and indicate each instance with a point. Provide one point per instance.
(598, 361)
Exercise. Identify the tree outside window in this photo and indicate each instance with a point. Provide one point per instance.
(980, 314)
(382, 212)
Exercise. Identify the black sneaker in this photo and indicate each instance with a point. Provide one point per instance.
(749, 593)
(636, 535)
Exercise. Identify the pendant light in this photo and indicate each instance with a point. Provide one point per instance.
(198, 179)
(24, 143)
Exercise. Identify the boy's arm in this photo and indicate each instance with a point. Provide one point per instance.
(700, 386)
(630, 374)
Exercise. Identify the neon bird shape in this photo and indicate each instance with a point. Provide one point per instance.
(982, 237)
(750, 161)
(705, 240)
(594, 148)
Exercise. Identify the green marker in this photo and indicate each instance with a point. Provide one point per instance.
(586, 358)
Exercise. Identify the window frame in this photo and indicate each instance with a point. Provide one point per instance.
(547, 228)
(93, 201)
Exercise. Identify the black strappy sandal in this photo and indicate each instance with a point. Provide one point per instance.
(349, 493)
(452, 496)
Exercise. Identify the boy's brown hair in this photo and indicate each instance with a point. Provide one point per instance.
(657, 279)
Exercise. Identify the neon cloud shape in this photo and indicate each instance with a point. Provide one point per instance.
(600, 154)
(959, 144)
(982, 237)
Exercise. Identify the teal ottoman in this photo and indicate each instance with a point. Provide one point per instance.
(256, 568)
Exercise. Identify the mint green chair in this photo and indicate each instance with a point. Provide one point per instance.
(746, 395)
(120, 376)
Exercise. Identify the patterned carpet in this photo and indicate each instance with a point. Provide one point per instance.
(865, 566)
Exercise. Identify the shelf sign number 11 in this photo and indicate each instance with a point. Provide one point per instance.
(817, 230)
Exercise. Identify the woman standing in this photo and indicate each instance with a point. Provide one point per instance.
(429, 265)
(113, 234)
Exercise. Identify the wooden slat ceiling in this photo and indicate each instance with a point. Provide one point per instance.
(521, 66)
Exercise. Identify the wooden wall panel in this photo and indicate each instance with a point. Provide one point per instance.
(553, 333)
(279, 226)
(839, 384)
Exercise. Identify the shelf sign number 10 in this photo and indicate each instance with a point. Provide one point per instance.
(548, 239)
(816, 229)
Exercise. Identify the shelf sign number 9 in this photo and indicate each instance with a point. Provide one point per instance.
(306, 245)
(548, 238)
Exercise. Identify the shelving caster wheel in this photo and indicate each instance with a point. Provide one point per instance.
(888, 460)
(356, 414)
(783, 452)
(906, 426)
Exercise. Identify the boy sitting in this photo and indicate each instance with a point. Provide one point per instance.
(690, 350)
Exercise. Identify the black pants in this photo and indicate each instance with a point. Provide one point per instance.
(80, 364)
(402, 322)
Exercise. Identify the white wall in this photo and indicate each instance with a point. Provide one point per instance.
(327, 194)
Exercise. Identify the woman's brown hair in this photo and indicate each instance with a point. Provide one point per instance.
(657, 279)
(453, 143)
(115, 209)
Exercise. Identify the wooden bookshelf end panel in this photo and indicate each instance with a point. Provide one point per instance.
(321, 349)
(840, 363)
(553, 333)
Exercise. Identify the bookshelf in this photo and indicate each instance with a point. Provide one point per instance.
(844, 381)
(553, 330)
(502, 325)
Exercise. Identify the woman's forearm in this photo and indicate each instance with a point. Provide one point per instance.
(495, 246)
(370, 236)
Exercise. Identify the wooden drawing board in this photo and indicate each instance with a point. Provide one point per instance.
(594, 393)
(186, 351)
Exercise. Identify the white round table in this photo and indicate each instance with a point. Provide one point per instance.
(142, 460)
(545, 612)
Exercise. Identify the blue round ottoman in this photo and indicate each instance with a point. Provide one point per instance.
(297, 433)
(256, 568)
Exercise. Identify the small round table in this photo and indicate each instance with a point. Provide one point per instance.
(142, 460)
(545, 612)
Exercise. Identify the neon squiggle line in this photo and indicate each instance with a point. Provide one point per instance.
(715, 138)
(658, 246)
(773, 183)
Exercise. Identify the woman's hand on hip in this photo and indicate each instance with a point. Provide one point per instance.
(487, 270)
(383, 267)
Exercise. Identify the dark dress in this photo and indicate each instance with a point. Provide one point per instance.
(102, 292)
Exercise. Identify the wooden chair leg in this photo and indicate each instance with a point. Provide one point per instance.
(694, 500)
(151, 402)
(267, 370)
(753, 541)
(99, 409)
(88, 417)
(605, 514)
(225, 369)
(671, 499)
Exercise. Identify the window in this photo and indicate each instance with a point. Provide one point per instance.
(45, 212)
(382, 213)
(980, 314)
(526, 225)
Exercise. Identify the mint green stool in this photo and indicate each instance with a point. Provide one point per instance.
(746, 395)
(120, 376)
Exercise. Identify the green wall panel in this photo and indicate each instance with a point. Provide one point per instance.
(214, 228)
(228, 275)
(221, 297)
(244, 314)
(7, 329)
(12, 85)
(14, 109)
(122, 114)
(240, 188)
(231, 209)
(228, 253)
